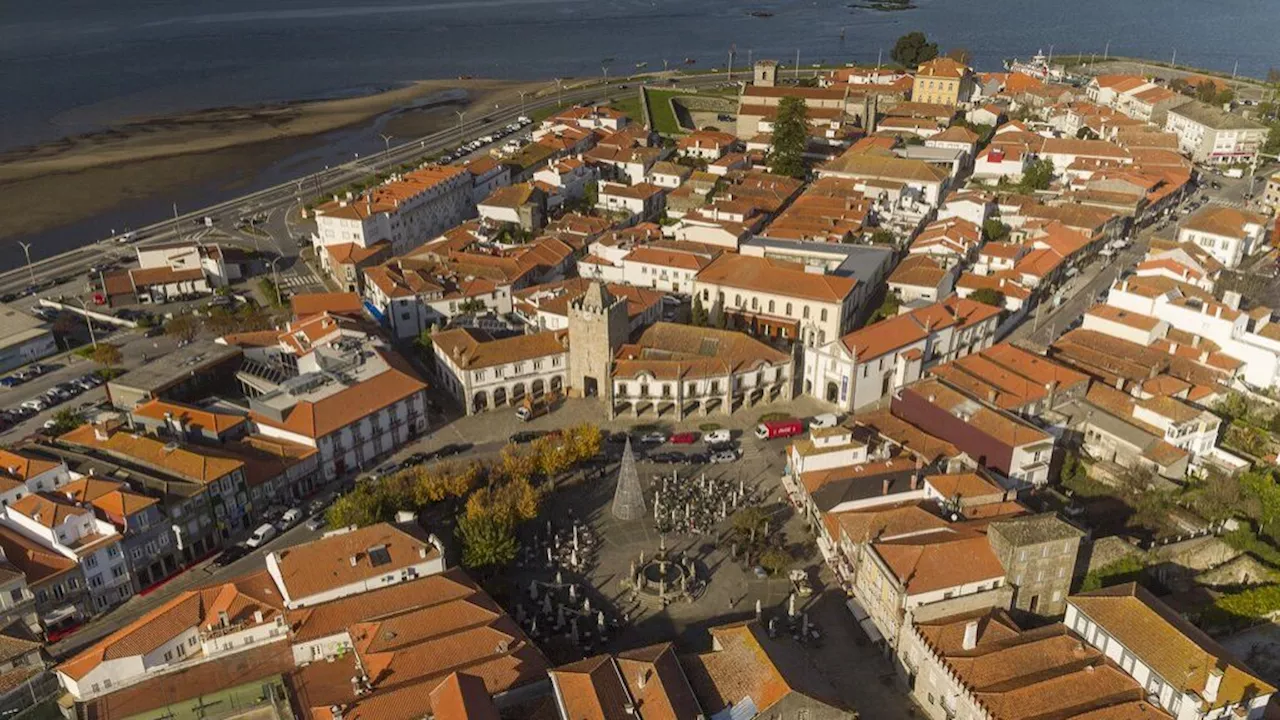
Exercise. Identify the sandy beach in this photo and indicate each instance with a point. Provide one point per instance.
(75, 179)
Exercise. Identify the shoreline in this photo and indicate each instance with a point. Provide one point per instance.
(77, 179)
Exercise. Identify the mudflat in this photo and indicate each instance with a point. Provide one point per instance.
(55, 184)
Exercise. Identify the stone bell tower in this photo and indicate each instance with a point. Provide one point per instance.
(598, 326)
(766, 73)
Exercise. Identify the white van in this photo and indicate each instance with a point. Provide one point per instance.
(265, 532)
(824, 420)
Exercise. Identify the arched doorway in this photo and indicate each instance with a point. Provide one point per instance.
(499, 397)
(556, 382)
(833, 392)
(480, 402)
(517, 392)
(537, 387)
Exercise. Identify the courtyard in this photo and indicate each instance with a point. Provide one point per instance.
(733, 588)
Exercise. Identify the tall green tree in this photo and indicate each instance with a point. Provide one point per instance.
(994, 230)
(790, 136)
(913, 49)
(1038, 175)
(988, 296)
(698, 314)
(716, 318)
(488, 541)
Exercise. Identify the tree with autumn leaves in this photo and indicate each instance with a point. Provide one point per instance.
(499, 495)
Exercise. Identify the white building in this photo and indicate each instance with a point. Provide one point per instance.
(1209, 134)
(778, 298)
(74, 532)
(482, 372)
(636, 203)
(353, 561)
(867, 365)
(405, 211)
(1230, 235)
(1254, 341)
(327, 384)
(1178, 666)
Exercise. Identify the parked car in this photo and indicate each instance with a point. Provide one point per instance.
(264, 533)
(316, 523)
(824, 420)
(449, 450)
(10, 382)
(717, 437)
(684, 438)
(290, 516)
(525, 436)
(36, 404)
(230, 555)
(653, 438)
(723, 456)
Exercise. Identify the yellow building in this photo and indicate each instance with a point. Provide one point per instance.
(942, 81)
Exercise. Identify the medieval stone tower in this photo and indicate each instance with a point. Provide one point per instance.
(766, 73)
(598, 326)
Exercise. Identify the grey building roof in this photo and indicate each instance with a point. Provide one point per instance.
(863, 263)
(1035, 529)
(177, 366)
(17, 327)
(1214, 117)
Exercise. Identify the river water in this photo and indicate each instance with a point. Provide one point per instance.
(70, 66)
(74, 66)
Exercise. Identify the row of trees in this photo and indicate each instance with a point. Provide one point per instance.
(496, 496)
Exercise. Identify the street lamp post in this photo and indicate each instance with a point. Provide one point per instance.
(460, 114)
(386, 143)
(523, 93)
(275, 278)
(93, 339)
(26, 250)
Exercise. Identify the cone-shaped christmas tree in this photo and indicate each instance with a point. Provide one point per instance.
(628, 499)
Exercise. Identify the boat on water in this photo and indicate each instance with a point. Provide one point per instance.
(760, 14)
(689, 61)
(641, 65)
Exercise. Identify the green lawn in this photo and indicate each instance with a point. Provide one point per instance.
(664, 117)
(630, 105)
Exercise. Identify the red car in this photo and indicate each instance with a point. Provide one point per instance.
(684, 438)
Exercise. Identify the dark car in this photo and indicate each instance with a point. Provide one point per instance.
(450, 450)
(616, 438)
(230, 555)
(525, 436)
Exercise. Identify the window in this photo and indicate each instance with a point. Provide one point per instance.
(788, 309)
(168, 656)
(771, 306)
(755, 303)
(136, 553)
(91, 561)
(163, 540)
(117, 571)
(16, 595)
(823, 316)
(806, 312)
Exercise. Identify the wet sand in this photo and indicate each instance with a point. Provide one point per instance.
(46, 187)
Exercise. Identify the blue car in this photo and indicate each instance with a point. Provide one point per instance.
(10, 382)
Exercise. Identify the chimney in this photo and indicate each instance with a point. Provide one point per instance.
(915, 480)
(354, 561)
(970, 635)
(884, 486)
(1212, 684)
(223, 618)
(257, 617)
(642, 679)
